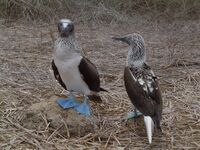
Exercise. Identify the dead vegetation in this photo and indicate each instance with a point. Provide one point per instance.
(173, 53)
(48, 9)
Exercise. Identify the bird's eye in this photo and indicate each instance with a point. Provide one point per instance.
(60, 24)
(71, 28)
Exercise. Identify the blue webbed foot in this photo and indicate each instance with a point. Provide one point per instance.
(67, 103)
(133, 114)
(83, 108)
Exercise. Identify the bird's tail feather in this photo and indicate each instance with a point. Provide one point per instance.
(149, 127)
(95, 98)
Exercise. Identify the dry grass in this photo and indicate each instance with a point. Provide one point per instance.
(173, 53)
(168, 9)
(33, 9)
(49, 9)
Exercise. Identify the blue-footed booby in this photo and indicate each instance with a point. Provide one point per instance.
(73, 71)
(141, 83)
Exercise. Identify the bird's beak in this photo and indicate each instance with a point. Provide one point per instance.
(119, 39)
(123, 39)
(65, 30)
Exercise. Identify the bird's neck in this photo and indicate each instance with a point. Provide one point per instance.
(136, 56)
(65, 48)
(68, 43)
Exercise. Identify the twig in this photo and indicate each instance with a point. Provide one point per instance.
(108, 140)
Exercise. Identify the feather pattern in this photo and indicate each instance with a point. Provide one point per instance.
(57, 75)
(72, 70)
(143, 89)
(141, 83)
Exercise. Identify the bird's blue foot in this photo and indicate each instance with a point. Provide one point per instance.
(83, 108)
(67, 103)
(133, 114)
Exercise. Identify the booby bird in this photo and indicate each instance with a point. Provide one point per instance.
(73, 71)
(141, 83)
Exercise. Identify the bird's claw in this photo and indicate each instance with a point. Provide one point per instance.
(67, 103)
(133, 114)
(71, 102)
(83, 109)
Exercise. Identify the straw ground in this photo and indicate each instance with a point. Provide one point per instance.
(173, 52)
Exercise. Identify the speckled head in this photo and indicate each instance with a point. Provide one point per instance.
(131, 39)
(65, 27)
(137, 53)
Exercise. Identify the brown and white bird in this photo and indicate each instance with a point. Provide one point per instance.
(73, 71)
(141, 83)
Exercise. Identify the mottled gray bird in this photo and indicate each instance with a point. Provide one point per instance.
(73, 71)
(142, 84)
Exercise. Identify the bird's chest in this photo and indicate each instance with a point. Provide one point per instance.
(67, 67)
(66, 61)
(70, 74)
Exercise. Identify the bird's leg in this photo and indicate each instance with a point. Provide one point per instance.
(69, 102)
(83, 108)
(133, 114)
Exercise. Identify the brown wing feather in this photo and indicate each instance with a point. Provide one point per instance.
(57, 75)
(90, 74)
(147, 102)
(137, 95)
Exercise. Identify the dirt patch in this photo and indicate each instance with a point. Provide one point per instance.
(66, 122)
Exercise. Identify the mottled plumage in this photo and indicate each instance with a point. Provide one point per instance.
(143, 90)
(141, 84)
